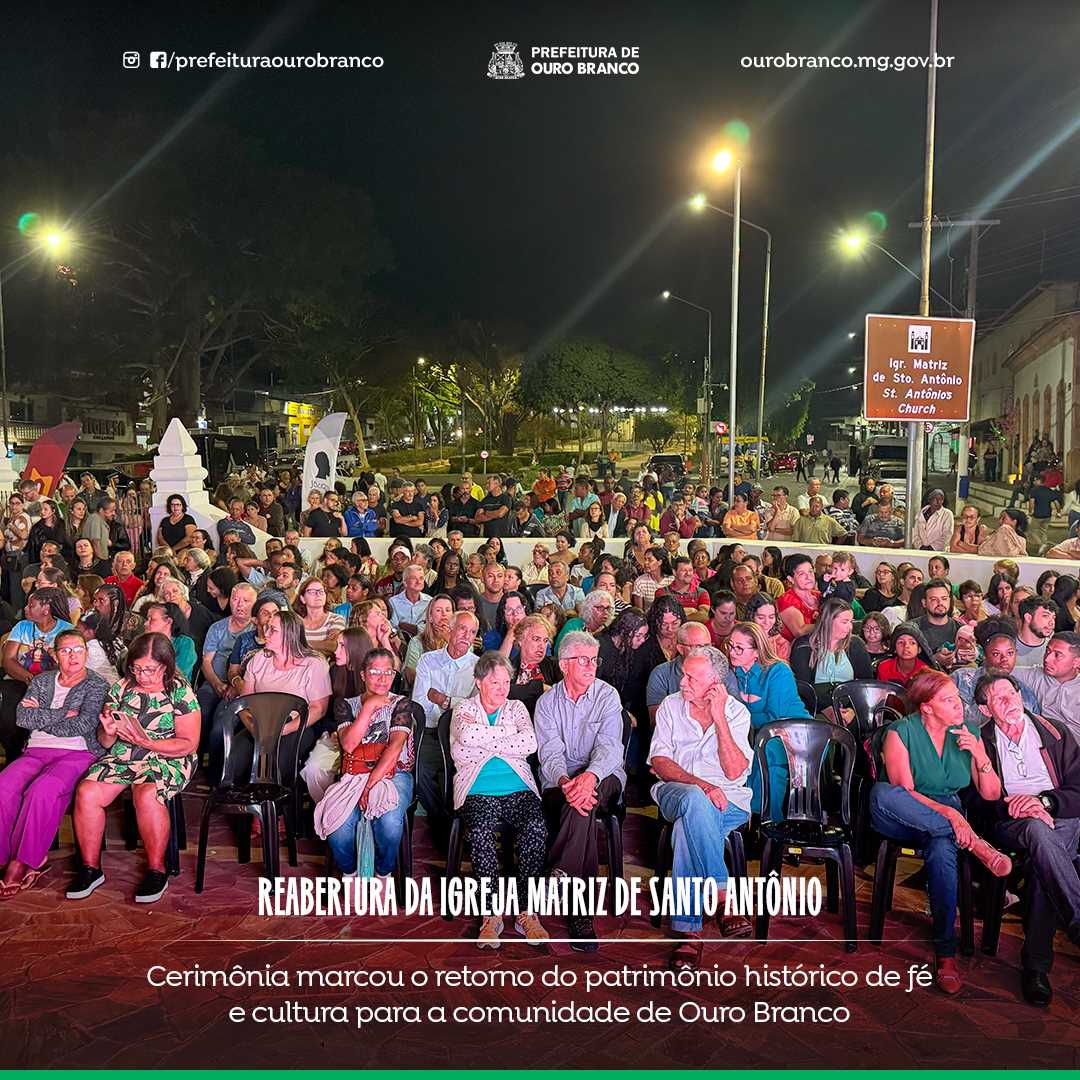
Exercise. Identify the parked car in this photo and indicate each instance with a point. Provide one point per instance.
(676, 461)
(783, 462)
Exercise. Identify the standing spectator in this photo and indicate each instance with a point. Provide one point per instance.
(780, 520)
(1041, 500)
(969, 532)
(235, 522)
(882, 527)
(494, 512)
(577, 507)
(933, 524)
(407, 514)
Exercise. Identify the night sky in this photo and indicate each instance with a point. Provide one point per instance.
(556, 202)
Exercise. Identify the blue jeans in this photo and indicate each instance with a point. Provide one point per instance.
(897, 814)
(777, 761)
(698, 839)
(386, 830)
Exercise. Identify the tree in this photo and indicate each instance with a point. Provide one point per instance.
(657, 431)
(583, 374)
(786, 426)
(188, 274)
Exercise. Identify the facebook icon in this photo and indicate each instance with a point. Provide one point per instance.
(159, 59)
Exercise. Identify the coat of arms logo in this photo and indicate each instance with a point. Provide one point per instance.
(505, 63)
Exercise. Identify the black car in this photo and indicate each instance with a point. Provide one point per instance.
(676, 462)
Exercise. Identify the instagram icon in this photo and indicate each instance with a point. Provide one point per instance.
(159, 59)
(131, 60)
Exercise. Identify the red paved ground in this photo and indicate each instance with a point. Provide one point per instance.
(73, 989)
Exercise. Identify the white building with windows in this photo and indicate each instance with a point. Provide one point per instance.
(1025, 370)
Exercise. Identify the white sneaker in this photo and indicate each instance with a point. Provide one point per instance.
(490, 929)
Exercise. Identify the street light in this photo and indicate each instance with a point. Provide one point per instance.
(700, 203)
(54, 241)
(855, 243)
(706, 461)
(721, 162)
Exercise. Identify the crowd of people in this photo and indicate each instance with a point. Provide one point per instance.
(536, 698)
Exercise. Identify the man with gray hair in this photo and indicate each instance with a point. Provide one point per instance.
(444, 678)
(701, 753)
(666, 678)
(578, 724)
(933, 524)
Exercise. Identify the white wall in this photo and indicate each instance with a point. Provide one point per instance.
(962, 567)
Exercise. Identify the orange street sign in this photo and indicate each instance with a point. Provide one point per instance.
(918, 369)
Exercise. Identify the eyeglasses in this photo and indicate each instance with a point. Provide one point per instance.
(147, 669)
(71, 650)
(582, 661)
(1017, 754)
(735, 647)
(312, 590)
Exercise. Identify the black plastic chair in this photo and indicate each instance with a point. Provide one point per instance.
(177, 832)
(611, 820)
(885, 880)
(734, 857)
(877, 704)
(806, 827)
(808, 695)
(263, 794)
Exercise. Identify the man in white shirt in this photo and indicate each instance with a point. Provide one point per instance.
(701, 753)
(408, 608)
(1038, 813)
(933, 524)
(444, 678)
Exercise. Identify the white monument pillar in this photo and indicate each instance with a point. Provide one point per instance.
(178, 470)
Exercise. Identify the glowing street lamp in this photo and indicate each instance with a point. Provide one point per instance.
(701, 203)
(52, 240)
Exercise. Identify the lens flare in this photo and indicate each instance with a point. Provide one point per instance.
(29, 223)
(876, 221)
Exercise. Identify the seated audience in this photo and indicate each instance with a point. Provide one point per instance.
(61, 709)
(929, 757)
(701, 756)
(491, 739)
(1038, 814)
(579, 726)
(149, 729)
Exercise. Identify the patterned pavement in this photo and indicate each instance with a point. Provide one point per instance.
(73, 989)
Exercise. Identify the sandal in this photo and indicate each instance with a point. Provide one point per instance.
(735, 926)
(31, 877)
(8, 891)
(687, 954)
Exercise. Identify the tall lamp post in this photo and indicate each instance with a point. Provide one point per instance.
(706, 438)
(700, 202)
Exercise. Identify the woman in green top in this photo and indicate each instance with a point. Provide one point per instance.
(929, 756)
(150, 730)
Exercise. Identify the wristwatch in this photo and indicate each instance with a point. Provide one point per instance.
(1047, 802)
(986, 767)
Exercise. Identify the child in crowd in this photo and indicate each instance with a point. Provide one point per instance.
(838, 583)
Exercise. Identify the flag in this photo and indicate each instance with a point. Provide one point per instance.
(49, 455)
(320, 457)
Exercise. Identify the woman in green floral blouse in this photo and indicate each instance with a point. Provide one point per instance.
(150, 728)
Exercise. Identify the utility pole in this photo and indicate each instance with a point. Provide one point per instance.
(978, 227)
(916, 442)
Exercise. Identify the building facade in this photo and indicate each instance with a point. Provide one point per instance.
(1025, 371)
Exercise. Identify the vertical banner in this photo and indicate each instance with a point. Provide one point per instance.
(49, 455)
(320, 458)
